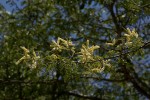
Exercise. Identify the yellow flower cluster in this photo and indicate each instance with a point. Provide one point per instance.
(34, 60)
(54, 57)
(86, 53)
(26, 56)
(61, 44)
(101, 66)
(97, 70)
(130, 34)
(112, 43)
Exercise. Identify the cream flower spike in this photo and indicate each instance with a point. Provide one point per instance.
(113, 42)
(92, 48)
(61, 44)
(86, 52)
(35, 56)
(56, 45)
(34, 60)
(25, 49)
(97, 70)
(26, 55)
(87, 43)
(131, 33)
(65, 42)
(134, 33)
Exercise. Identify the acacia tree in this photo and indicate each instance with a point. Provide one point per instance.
(75, 49)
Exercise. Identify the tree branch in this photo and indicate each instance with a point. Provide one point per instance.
(82, 96)
(103, 79)
(14, 81)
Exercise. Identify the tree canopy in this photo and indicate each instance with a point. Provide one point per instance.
(75, 50)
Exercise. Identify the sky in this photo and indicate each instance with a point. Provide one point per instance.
(7, 5)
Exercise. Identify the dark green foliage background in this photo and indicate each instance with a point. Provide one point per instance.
(100, 21)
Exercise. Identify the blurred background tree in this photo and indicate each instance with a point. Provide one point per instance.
(35, 23)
